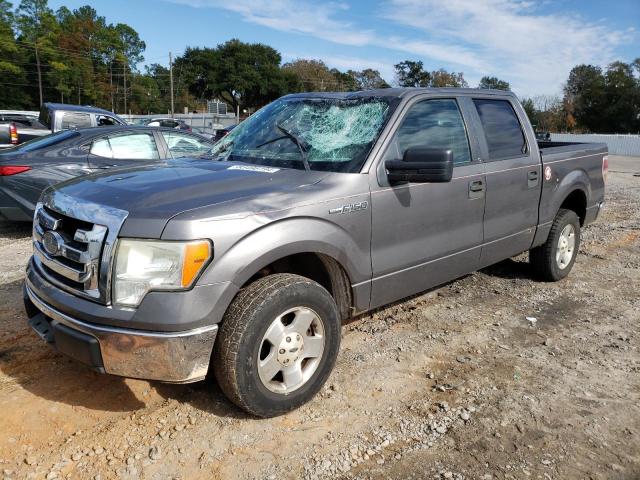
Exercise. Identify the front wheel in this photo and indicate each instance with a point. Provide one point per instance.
(277, 345)
(555, 258)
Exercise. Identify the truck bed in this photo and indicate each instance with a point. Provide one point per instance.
(556, 150)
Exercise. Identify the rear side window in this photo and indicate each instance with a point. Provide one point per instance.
(434, 123)
(502, 128)
(75, 120)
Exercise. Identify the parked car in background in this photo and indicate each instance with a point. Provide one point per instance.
(223, 132)
(203, 132)
(54, 117)
(168, 123)
(26, 170)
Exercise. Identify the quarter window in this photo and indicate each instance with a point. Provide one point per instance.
(181, 145)
(502, 128)
(435, 123)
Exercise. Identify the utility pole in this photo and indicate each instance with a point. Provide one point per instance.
(171, 80)
(124, 69)
(39, 72)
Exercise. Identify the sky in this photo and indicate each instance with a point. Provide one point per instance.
(531, 44)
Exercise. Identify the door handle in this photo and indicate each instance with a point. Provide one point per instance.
(476, 189)
(476, 186)
(532, 178)
(532, 175)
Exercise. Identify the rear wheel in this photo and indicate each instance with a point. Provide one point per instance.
(554, 260)
(277, 344)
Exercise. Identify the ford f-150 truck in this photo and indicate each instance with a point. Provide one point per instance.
(317, 208)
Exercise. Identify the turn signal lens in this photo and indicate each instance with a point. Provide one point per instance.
(195, 256)
(605, 167)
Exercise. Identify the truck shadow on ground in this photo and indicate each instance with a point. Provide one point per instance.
(511, 269)
(15, 230)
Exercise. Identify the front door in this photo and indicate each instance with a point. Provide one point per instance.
(424, 234)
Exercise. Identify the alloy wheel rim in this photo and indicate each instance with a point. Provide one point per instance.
(566, 246)
(291, 350)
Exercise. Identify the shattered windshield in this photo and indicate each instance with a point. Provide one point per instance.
(308, 133)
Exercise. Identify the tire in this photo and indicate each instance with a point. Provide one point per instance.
(553, 260)
(252, 344)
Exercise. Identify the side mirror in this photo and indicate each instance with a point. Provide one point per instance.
(421, 165)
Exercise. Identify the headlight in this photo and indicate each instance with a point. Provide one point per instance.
(144, 265)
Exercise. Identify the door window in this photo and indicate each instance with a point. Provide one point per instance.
(136, 146)
(435, 123)
(181, 145)
(106, 120)
(502, 128)
(75, 120)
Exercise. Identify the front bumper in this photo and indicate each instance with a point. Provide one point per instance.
(177, 357)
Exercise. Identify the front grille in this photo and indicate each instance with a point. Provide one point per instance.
(68, 251)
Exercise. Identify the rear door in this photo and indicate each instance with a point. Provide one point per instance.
(513, 171)
(123, 149)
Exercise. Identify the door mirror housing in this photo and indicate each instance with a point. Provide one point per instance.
(421, 165)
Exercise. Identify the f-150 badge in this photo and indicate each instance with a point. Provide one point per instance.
(350, 208)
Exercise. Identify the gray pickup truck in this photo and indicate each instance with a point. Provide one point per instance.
(315, 209)
(54, 117)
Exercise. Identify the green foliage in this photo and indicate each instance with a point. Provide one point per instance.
(493, 82)
(413, 74)
(605, 101)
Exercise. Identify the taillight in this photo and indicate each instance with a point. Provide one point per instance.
(7, 170)
(605, 167)
(13, 133)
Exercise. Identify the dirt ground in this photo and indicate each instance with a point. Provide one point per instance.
(456, 383)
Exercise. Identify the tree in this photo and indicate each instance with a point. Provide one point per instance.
(442, 78)
(38, 28)
(412, 74)
(12, 75)
(368, 79)
(622, 98)
(585, 92)
(493, 82)
(313, 75)
(530, 109)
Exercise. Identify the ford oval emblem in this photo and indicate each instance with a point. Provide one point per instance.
(52, 243)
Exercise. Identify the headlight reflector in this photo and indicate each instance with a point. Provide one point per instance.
(144, 265)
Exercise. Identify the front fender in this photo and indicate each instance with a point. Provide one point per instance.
(273, 241)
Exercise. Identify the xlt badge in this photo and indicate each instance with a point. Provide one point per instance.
(350, 208)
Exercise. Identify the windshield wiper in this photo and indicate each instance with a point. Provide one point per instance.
(298, 142)
(223, 149)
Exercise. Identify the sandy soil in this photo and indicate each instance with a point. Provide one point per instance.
(456, 383)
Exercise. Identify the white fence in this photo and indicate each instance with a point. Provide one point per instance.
(628, 145)
(209, 122)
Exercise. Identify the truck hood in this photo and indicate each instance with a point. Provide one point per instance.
(153, 194)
